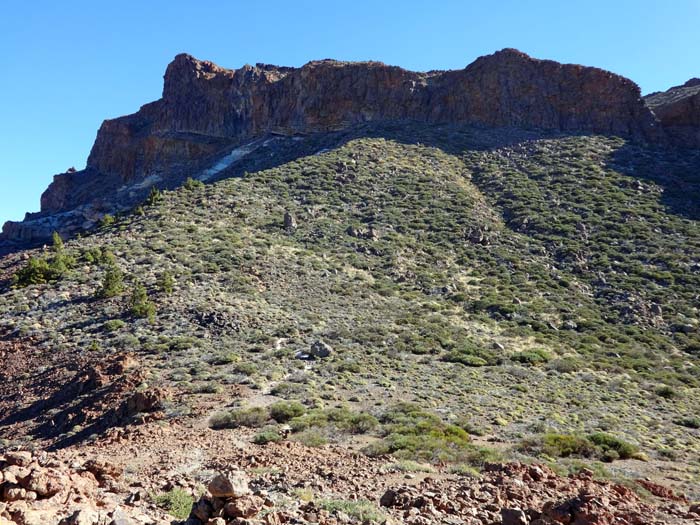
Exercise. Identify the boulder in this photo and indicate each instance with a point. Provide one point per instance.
(320, 349)
(514, 517)
(21, 458)
(244, 507)
(233, 484)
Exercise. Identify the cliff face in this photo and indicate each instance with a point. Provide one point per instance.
(206, 110)
(203, 104)
(678, 110)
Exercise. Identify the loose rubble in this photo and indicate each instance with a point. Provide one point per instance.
(519, 494)
(38, 489)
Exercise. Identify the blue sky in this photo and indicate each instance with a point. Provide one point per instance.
(68, 65)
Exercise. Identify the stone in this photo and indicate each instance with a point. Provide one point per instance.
(101, 468)
(388, 499)
(202, 510)
(320, 349)
(45, 483)
(244, 507)
(514, 517)
(678, 110)
(37, 517)
(13, 493)
(217, 521)
(232, 484)
(21, 458)
(82, 517)
(290, 223)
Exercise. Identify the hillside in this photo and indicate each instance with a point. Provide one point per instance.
(259, 304)
(516, 287)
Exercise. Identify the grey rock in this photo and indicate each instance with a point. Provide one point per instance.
(321, 349)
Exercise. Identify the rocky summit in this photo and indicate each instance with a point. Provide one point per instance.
(210, 117)
(348, 293)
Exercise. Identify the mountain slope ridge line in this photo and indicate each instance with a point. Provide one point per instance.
(206, 109)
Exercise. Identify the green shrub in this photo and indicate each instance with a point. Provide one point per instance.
(465, 359)
(566, 365)
(558, 446)
(112, 282)
(362, 511)
(604, 446)
(311, 437)
(667, 392)
(250, 417)
(267, 435)
(57, 242)
(192, 184)
(166, 283)
(139, 304)
(245, 368)
(531, 357)
(107, 220)
(113, 325)
(154, 196)
(689, 422)
(36, 271)
(177, 503)
(612, 444)
(412, 433)
(283, 411)
(342, 419)
(42, 270)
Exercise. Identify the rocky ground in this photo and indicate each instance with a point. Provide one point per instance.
(156, 471)
(290, 483)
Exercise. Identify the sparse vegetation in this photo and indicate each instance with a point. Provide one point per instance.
(495, 289)
(176, 502)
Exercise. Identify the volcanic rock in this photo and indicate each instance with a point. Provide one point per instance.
(210, 117)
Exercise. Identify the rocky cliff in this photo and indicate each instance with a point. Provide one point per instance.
(206, 111)
(678, 111)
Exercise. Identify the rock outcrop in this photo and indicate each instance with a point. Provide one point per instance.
(678, 110)
(206, 112)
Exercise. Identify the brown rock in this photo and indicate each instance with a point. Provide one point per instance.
(21, 458)
(232, 484)
(514, 517)
(82, 517)
(45, 483)
(202, 510)
(103, 469)
(244, 507)
(17, 473)
(13, 493)
(678, 109)
(37, 517)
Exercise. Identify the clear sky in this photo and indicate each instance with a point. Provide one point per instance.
(67, 65)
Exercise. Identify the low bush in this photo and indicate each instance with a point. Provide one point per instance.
(607, 443)
(362, 511)
(177, 503)
(283, 411)
(600, 445)
(531, 357)
(250, 417)
(412, 433)
(267, 435)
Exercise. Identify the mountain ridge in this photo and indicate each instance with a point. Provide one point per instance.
(207, 111)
